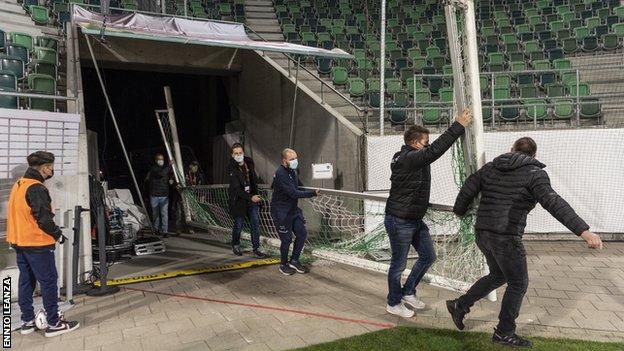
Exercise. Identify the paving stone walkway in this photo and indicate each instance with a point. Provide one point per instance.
(574, 292)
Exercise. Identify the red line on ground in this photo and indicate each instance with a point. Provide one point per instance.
(272, 308)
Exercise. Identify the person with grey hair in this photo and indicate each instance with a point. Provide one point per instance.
(287, 216)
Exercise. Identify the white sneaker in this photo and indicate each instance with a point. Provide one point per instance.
(400, 310)
(412, 301)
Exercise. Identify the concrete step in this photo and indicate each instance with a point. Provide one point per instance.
(10, 7)
(261, 15)
(15, 17)
(19, 27)
(262, 22)
(267, 29)
(254, 9)
(258, 3)
(268, 36)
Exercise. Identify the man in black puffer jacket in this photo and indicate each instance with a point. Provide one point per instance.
(406, 207)
(159, 179)
(510, 187)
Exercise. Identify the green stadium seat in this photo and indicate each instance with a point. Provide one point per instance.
(13, 64)
(570, 45)
(618, 29)
(48, 42)
(393, 86)
(536, 109)
(46, 68)
(509, 113)
(593, 22)
(581, 33)
(399, 100)
(17, 50)
(409, 83)
(610, 41)
(225, 9)
(590, 44)
(528, 92)
(486, 112)
(557, 25)
(373, 85)
(556, 90)
(42, 84)
(357, 87)
(563, 109)
(583, 89)
(39, 14)
(340, 75)
(23, 39)
(323, 65)
(45, 55)
(590, 108)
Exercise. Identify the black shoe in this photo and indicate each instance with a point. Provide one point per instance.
(61, 327)
(236, 250)
(512, 340)
(286, 270)
(260, 254)
(456, 313)
(28, 327)
(298, 267)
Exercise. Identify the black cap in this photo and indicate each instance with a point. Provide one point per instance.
(39, 158)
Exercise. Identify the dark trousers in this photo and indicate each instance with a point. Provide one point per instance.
(37, 267)
(403, 234)
(253, 212)
(286, 229)
(506, 258)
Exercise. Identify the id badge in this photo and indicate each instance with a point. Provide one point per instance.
(247, 189)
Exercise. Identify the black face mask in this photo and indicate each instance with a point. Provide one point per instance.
(50, 175)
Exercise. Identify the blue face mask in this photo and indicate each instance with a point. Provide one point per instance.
(293, 164)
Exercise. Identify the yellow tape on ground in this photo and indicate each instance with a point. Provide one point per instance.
(187, 272)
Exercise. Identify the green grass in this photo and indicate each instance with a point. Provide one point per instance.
(408, 338)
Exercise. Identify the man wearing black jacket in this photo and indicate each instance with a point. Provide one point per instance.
(31, 231)
(244, 199)
(406, 207)
(510, 187)
(159, 178)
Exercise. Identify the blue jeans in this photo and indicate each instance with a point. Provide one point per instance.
(37, 267)
(254, 219)
(404, 233)
(160, 211)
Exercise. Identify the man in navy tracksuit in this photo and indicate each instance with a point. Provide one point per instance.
(287, 216)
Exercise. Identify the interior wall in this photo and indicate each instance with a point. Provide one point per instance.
(264, 98)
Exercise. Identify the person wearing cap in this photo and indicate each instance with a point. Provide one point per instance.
(32, 233)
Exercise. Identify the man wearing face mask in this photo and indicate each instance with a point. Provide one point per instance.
(287, 215)
(159, 177)
(244, 200)
(194, 176)
(31, 231)
(406, 207)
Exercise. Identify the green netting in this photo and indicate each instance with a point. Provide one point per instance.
(352, 224)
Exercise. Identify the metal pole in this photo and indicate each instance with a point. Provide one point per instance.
(578, 102)
(104, 289)
(492, 92)
(475, 92)
(163, 5)
(382, 70)
(294, 107)
(414, 87)
(174, 135)
(166, 142)
(110, 110)
(185, 8)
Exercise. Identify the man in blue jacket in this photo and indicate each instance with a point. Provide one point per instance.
(287, 215)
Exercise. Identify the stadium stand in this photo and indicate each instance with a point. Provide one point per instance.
(30, 46)
(530, 53)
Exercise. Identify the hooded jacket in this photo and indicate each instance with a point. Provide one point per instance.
(510, 186)
(242, 186)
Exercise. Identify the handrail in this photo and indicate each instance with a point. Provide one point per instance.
(41, 96)
(358, 109)
(351, 194)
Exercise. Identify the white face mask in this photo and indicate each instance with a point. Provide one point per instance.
(160, 162)
(239, 158)
(293, 164)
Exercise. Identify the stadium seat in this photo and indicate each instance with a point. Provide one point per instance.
(46, 55)
(399, 100)
(610, 41)
(23, 39)
(323, 65)
(339, 75)
(393, 86)
(39, 14)
(17, 50)
(46, 68)
(590, 44)
(357, 87)
(536, 109)
(2, 39)
(563, 109)
(590, 108)
(13, 64)
(42, 84)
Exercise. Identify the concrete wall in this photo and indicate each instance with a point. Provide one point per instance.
(264, 98)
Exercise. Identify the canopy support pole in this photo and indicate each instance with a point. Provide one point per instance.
(121, 142)
(382, 70)
(294, 107)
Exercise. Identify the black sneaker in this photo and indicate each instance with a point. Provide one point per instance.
(512, 340)
(456, 313)
(28, 327)
(260, 254)
(236, 250)
(296, 265)
(286, 270)
(61, 327)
